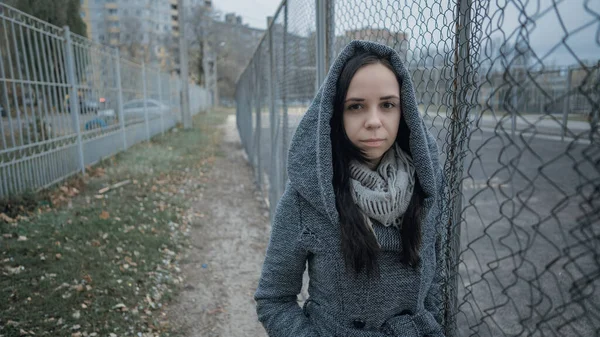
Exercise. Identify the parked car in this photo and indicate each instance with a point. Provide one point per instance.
(134, 109)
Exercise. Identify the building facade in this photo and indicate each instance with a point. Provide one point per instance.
(139, 28)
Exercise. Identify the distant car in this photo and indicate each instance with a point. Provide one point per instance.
(88, 102)
(134, 109)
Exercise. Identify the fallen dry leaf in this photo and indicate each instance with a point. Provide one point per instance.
(15, 270)
(212, 312)
(22, 238)
(104, 215)
(6, 218)
(87, 278)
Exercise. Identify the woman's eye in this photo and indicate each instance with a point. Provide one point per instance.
(388, 105)
(354, 107)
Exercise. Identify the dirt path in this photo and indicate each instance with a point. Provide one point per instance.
(222, 268)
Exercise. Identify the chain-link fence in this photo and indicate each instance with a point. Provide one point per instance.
(511, 90)
(67, 102)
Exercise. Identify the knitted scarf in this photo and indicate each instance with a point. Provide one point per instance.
(384, 194)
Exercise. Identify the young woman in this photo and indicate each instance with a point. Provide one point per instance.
(361, 207)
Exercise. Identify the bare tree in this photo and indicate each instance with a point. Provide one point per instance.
(201, 36)
(138, 43)
(131, 40)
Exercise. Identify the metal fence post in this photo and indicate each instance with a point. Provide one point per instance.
(73, 99)
(145, 99)
(513, 113)
(285, 122)
(274, 172)
(330, 34)
(162, 119)
(120, 98)
(567, 106)
(460, 116)
(258, 130)
(186, 117)
(321, 42)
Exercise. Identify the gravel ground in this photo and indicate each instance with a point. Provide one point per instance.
(229, 237)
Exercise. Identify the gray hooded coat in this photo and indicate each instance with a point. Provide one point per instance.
(403, 301)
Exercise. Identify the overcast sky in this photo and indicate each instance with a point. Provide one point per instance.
(427, 22)
(253, 12)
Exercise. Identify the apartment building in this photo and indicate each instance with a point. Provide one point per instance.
(148, 28)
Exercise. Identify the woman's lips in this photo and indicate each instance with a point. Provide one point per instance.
(372, 142)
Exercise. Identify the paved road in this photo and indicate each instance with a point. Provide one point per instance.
(522, 243)
(524, 246)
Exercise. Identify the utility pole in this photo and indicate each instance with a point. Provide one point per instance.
(186, 117)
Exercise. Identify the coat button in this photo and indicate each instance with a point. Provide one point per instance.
(359, 324)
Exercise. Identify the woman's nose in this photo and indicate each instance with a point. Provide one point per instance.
(373, 121)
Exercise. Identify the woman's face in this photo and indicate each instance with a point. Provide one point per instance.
(372, 111)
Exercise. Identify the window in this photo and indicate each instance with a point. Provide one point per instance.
(112, 11)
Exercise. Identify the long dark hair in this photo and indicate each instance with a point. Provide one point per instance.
(359, 245)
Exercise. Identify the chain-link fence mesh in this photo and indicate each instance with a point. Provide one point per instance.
(511, 90)
(66, 102)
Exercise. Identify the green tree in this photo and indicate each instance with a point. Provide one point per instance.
(56, 12)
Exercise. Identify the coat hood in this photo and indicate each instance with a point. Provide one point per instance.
(310, 167)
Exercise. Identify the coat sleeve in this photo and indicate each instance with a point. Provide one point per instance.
(433, 299)
(281, 279)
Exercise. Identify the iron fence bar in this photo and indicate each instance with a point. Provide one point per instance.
(9, 115)
(120, 113)
(74, 100)
(34, 113)
(12, 75)
(162, 120)
(145, 97)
